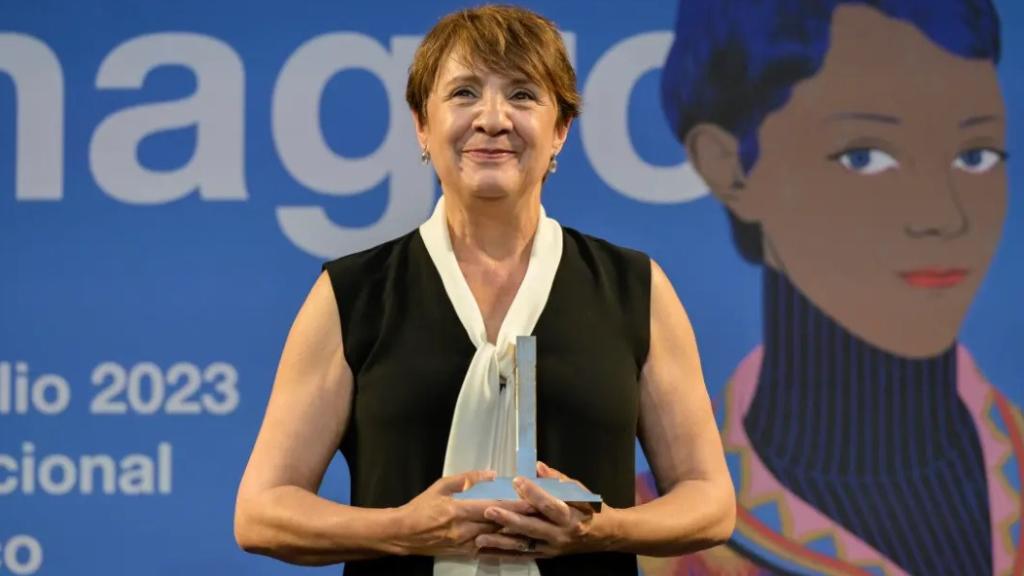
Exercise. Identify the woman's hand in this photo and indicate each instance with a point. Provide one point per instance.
(558, 529)
(436, 524)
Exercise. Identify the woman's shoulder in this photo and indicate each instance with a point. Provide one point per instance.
(359, 279)
(603, 252)
(371, 259)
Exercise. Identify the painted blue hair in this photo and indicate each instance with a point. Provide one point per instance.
(733, 62)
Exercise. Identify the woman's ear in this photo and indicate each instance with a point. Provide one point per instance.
(561, 133)
(421, 129)
(715, 154)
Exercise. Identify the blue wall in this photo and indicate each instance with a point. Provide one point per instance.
(170, 266)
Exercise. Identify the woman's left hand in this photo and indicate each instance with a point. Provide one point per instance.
(559, 528)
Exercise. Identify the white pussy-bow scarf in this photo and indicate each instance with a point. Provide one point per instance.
(483, 435)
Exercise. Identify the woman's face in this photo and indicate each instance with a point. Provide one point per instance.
(881, 186)
(489, 136)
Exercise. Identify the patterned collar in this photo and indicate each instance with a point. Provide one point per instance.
(778, 529)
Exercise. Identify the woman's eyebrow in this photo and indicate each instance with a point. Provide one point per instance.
(466, 78)
(869, 116)
(520, 79)
(975, 120)
(472, 78)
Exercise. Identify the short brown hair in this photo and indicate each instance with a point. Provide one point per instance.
(504, 39)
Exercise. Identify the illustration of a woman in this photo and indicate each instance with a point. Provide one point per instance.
(859, 149)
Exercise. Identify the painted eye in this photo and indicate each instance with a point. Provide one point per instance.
(978, 160)
(866, 160)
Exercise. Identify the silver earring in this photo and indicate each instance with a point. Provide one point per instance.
(425, 157)
(553, 165)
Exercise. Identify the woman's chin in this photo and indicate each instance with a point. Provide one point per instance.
(490, 189)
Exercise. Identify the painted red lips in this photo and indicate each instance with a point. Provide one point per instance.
(934, 277)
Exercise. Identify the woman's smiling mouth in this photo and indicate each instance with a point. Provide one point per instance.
(489, 154)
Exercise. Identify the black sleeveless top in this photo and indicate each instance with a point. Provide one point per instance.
(409, 353)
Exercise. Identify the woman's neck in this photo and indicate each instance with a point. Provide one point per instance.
(496, 231)
(828, 402)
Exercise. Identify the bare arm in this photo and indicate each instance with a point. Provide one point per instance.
(277, 511)
(697, 508)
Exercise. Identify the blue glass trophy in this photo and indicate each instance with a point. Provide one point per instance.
(524, 386)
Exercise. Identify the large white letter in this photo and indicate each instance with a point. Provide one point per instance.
(306, 155)
(216, 108)
(604, 127)
(39, 91)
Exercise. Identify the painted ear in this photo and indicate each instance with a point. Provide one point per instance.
(715, 153)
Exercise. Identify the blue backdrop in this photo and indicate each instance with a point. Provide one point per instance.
(173, 174)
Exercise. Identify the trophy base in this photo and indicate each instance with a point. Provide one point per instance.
(502, 489)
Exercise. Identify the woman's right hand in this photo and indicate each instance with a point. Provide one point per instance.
(436, 524)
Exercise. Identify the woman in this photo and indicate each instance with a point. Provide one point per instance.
(859, 150)
(412, 385)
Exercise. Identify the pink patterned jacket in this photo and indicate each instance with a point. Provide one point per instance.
(776, 531)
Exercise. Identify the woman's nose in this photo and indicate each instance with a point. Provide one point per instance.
(492, 115)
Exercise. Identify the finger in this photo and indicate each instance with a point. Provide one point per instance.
(506, 531)
(469, 531)
(477, 476)
(473, 510)
(538, 528)
(551, 507)
(545, 471)
(516, 544)
(460, 482)
(518, 506)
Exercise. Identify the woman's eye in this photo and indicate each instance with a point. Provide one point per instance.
(522, 95)
(978, 160)
(866, 160)
(462, 93)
